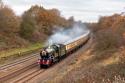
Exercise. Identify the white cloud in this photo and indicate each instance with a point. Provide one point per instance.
(85, 10)
(19, 6)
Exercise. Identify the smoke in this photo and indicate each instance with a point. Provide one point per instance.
(63, 35)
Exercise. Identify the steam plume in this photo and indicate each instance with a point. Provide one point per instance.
(63, 35)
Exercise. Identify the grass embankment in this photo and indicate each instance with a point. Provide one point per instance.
(18, 52)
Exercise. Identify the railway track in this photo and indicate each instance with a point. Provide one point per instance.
(29, 76)
(18, 62)
(16, 73)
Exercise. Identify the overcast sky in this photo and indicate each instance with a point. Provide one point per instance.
(85, 10)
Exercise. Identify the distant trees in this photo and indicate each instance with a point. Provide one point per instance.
(108, 21)
(71, 20)
(9, 28)
(8, 20)
(109, 32)
(27, 25)
(37, 23)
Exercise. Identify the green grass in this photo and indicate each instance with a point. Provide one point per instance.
(20, 51)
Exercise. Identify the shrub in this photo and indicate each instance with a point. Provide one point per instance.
(106, 39)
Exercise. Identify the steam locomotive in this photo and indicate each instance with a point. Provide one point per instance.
(54, 53)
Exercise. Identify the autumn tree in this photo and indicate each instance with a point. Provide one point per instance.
(27, 26)
(8, 20)
(71, 20)
(38, 22)
(31, 28)
(109, 33)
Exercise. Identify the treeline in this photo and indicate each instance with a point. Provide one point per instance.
(109, 33)
(37, 22)
(35, 25)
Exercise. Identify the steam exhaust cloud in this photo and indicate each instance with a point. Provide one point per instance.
(63, 35)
